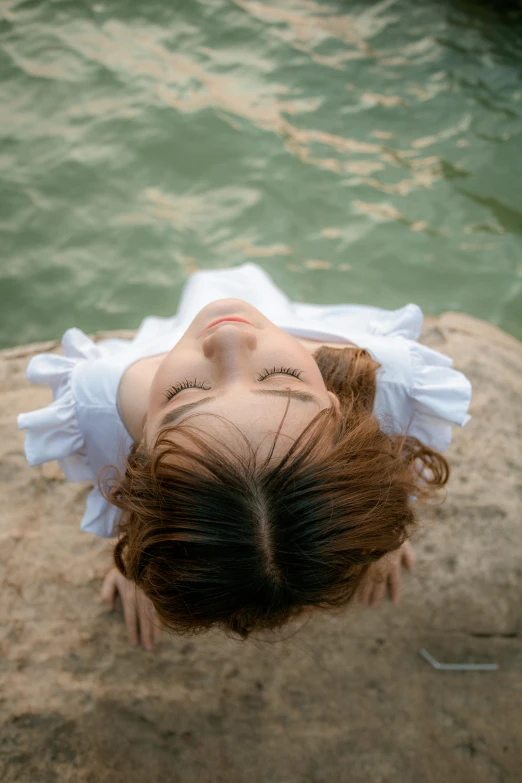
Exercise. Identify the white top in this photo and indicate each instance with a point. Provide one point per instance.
(82, 428)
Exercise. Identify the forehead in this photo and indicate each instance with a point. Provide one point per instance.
(232, 419)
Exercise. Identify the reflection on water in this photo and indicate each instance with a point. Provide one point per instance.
(380, 144)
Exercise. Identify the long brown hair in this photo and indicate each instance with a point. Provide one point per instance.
(214, 537)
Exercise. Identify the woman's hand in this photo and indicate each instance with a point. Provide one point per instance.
(141, 619)
(386, 574)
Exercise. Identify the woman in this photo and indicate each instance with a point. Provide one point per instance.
(267, 454)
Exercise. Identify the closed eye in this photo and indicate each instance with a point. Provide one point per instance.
(279, 371)
(195, 384)
(186, 384)
(177, 413)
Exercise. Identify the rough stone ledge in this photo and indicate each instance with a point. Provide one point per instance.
(347, 698)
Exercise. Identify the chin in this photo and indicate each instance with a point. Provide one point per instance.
(229, 306)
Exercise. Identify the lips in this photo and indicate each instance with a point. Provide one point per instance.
(228, 318)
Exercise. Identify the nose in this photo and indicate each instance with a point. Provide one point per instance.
(230, 346)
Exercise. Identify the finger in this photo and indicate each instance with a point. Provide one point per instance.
(378, 593)
(146, 632)
(408, 558)
(394, 584)
(365, 590)
(108, 591)
(157, 630)
(131, 617)
(361, 591)
(145, 622)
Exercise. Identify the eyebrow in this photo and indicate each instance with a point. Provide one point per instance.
(174, 415)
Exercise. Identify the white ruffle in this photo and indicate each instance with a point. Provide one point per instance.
(405, 322)
(53, 432)
(100, 517)
(441, 397)
(436, 396)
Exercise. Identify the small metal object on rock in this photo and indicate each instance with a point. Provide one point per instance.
(460, 667)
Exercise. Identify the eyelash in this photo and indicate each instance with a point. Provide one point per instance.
(186, 384)
(195, 384)
(279, 371)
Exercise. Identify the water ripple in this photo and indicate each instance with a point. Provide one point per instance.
(378, 143)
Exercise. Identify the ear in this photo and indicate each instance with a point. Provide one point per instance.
(335, 401)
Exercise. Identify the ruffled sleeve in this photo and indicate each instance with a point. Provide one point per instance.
(81, 428)
(418, 391)
(440, 396)
(53, 432)
(405, 322)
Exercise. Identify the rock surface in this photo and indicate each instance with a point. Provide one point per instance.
(347, 698)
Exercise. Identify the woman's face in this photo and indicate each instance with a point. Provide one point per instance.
(241, 370)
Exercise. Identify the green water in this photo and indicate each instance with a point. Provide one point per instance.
(359, 152)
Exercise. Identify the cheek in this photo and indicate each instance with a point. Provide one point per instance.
(156, 397)
(175, 367)
(314, 373)
(309, 364)
(160, 383)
